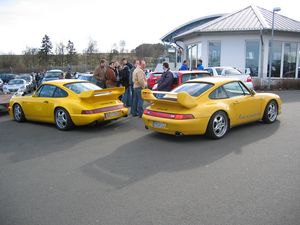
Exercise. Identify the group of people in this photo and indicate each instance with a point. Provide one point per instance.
(133, 78)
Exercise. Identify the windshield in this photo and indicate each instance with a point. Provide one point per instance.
(52, 74)
(27, 78)
(194, 89)
(83, 77)
(16, 82)
(232, 72)
(80, 87)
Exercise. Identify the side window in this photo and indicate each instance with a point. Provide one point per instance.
(219, 93)
(60, 93)
(233, 89)
(185, 77)
(47, 91)
(245, 90)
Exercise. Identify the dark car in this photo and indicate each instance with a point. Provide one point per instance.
(6, 77)
(87, 76)
(53, 75)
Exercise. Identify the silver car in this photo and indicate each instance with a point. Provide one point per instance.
(16, 85)
(228, 71)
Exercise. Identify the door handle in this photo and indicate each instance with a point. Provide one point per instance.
(46, 102)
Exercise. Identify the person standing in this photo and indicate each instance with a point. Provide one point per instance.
(139, 83)
(100, 74)
(200, 66)
(124, 80)
(110, 75)
(184, 65)
(166, 80)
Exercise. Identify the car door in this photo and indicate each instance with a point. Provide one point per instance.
(245, 107)
(40, 107)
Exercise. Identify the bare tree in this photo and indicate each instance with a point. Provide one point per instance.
(122, 45)
(60, 53)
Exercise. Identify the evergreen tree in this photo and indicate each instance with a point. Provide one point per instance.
(45, 50)
(72, 55)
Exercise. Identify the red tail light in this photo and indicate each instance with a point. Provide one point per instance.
(168, 115)
(105, 109)
(249, 79)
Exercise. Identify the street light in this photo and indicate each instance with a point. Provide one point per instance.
(276, 9)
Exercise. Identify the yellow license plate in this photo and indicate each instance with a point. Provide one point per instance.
(110, 115)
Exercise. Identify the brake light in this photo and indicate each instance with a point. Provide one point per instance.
(168, 115)
(249, 79)
(105, 109)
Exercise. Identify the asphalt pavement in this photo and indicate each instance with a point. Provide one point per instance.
(121, 174)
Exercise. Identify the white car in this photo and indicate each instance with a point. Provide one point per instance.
(16, 85)
(231, 72)
(1, 84)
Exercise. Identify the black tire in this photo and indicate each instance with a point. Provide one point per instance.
(19, 115)
(62, 119)
(218, 125)
(271, 112)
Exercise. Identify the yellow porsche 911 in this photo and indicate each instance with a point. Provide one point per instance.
(67, 103)
(208, 106)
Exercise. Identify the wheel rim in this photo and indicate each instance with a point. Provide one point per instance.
(18, 112)
(61, 119)
(219, 125)
(272, 111)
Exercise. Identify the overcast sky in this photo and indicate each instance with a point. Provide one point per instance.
(23, 23)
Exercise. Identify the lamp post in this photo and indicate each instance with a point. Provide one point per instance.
(276, 9)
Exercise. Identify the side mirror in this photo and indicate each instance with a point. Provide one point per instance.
(34, 95)
(252, 92)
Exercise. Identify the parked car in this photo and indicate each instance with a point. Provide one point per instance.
(181, 77)
(53, 75)
(6, 77)
(231, 72)
(1, 84)
(29, 80)
(208, 106)
(69, 102)
(16, 85)
(87, 76)
(152, 78)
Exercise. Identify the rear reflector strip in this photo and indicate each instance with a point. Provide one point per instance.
(99, 110)
(168, 115)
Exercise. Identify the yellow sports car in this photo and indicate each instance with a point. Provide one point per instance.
(208, 106)
(67, 103)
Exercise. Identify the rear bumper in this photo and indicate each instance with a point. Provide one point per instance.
(84, 119)
(185, 127)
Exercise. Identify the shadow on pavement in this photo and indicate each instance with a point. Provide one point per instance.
(155, 153)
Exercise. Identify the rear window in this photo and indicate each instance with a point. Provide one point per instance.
(194, 89)
(191, 76)
(52, 74)
(81, 87)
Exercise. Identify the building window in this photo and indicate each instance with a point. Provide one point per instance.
(214, 53)
(298, 61)
(289, 60)
(252, 57)
(276, 58)
(194, 53)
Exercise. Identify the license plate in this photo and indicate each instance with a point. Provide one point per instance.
(159, 124)
(112, 114)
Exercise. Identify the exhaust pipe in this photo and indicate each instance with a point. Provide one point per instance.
(177, 134)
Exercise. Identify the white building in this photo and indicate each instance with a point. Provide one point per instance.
(242, 39)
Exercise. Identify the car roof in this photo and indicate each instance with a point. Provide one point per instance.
(55, 71)
(62, 82)
(85, 74)
(191, 71)
(213, 80)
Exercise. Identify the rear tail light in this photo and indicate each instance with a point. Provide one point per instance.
(105, 109)
(168, 115)
(249, 79)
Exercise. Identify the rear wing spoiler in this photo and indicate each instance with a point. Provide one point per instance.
(181, 98)
(109, 93)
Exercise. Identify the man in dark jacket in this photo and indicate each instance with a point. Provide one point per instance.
(166, 80)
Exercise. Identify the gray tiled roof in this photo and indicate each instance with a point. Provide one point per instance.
(248, 19)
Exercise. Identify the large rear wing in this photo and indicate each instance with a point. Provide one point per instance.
(181, 98)
(107, 94)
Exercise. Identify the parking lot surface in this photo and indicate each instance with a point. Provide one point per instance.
(121, 174)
